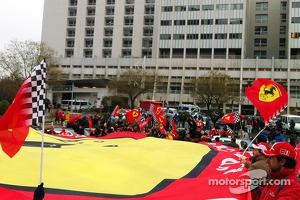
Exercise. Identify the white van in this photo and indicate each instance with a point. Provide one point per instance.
(286, 119)
(75, 105)
(189, 108)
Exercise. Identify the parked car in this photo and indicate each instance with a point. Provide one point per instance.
(170, 112)
(243, 143)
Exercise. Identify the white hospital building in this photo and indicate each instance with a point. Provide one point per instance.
(179, 39)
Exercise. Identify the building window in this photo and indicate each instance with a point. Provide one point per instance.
(71, 22)
(109, 21)
(261, 30)
(73, 2)
(261, 6)
(178, 37)
(260, 42)
(235, 35)
(147, 42)
(147, 53)
(236, 6)
(236, 21)
(165, 36)
(221, 36)
(91, 2)
(221, 21)
(282, 42)
(166, 8)
(108, 32)
(91, 11)
(260, 54)
(106, 53)
(129, 1)
(281, 54)
(283, 18)
(179, 22)
(88, 53)
(90, 21)
(148, 31)
(194, 8)
(148, 20)
(129, 10)
(283, 5)
(222, 7)
(107, 42)
(208, 7)
(69, 53)
(193, 22)
(70, 42)
(295, 35)
(149, 10)
(109, 10)
(127, 31)
(89, 43)
(166, 23)
(205, 36)
(207, 22)
(282, 30)
(127, 42)
(89, 32)
(126, 53)
(180, 8)
(261, 18)
(72, 12)
(71, 32)
(110, 2)
(296, 20)
(150, 1)
(192, 36)
(295, 4)
(128, 21)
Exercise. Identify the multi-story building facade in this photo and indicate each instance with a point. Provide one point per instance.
(179, 40)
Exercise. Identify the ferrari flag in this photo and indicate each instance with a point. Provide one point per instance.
(27, 109)
(268, 96)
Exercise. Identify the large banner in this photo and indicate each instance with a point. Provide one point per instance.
(123, 165)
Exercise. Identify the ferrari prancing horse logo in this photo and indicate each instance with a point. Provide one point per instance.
(269, 93)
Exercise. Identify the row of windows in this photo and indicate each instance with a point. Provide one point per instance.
(109, 2)
(203, 36)
(182, 8)
(262, 42)
(203, 22)
(263, 6)
(263, 30)
(263, 18)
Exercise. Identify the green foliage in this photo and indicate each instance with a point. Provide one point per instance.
(4, 104)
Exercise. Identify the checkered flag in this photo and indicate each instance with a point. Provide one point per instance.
(229, 129)
(38, 93)
(236, 117)
(151, 111)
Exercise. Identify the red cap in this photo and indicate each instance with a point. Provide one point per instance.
(281, 149)
(262, 146)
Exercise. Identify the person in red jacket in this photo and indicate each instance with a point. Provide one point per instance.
(284, 183)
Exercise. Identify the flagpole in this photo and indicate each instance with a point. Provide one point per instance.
(42, 150)
(253, 140)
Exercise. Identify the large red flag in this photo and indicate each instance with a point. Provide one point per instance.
(268, 96)
(27, 109)
(133, 115)
(231, 118)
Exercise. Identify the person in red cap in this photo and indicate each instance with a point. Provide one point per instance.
(258, 162)
(284, 183)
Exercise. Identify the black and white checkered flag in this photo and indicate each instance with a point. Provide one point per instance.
(38, 93)
(229, 129)
(236, 117)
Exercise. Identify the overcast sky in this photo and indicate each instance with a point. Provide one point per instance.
(20, 20)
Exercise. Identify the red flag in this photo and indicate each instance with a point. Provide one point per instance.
(174, 130)
(157, 112)
(143, 124)
(90, 119)
(230, 118)
(200, 125)
(116, 111)
(133, 115)
(162, 120)
(27, 109)
(268, 96)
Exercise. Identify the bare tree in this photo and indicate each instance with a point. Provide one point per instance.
(215, 88)
(132, 83)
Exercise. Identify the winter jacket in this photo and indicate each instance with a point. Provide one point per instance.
(258, 162)
(287, 189)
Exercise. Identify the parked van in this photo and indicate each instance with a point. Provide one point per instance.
(189, 108)
(75, 105)
(286, 119)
